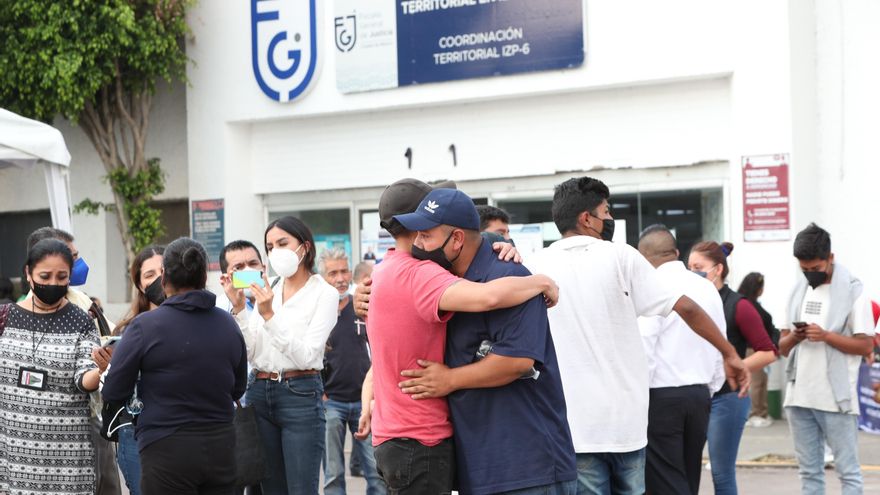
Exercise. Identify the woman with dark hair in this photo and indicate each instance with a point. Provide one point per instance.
(192, 365)
(46, 373)
(285, 339)
(744, 329)
(146, 276)
(752, 287)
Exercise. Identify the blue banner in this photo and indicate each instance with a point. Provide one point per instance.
(427, 41)
(482, 39)
(869, 409)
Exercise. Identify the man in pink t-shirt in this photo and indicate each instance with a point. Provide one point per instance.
(404, 325)
(410, 303)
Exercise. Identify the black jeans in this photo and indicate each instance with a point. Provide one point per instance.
(196, 459)
(409, 467)
(678, 419)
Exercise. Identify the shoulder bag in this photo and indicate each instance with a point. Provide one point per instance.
(250, 461)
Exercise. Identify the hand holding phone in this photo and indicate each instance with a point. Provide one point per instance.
(244, 278)
(110, 340)
(799, 325)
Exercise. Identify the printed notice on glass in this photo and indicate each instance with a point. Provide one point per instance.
(207, 228)
(766, 205)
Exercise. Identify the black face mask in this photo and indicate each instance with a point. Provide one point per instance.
(49, 294)
(435, 255)
(155, 293)
(815, 279)
(607, 229)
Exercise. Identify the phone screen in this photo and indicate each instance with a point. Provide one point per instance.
(799, 324)
(243, 279)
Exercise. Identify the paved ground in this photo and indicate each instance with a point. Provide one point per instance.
(776, 440)
(754, 474)
(783, 481)
(776, 481)
(754, 477)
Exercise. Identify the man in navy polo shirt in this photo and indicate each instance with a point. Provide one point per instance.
(508, 408)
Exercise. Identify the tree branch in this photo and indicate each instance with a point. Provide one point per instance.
(94, 130)
(146, 102)
(127, 117)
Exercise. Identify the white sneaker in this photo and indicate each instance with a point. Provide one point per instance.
(759, 422)
(829, 456)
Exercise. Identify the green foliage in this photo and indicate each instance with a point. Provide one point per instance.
(90, 207)
(136, 190)
(97, 62)
(56, 56)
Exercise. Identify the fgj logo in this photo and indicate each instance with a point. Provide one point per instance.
(346, 32)
(284, 46)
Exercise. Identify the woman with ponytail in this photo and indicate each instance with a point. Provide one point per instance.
(744, 329)
(192, 364)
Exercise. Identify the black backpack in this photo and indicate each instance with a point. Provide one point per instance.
(730, 299)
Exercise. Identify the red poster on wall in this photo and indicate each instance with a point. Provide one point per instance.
(766, 215)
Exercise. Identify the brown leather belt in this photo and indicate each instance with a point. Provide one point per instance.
(274, 375)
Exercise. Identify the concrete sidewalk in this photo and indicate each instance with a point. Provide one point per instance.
(773, 446)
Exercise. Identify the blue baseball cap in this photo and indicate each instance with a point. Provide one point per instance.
(442, 207)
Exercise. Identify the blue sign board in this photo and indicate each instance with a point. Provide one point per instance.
(387, 44)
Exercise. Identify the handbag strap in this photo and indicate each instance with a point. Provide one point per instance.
(100, 319)
(4, 315)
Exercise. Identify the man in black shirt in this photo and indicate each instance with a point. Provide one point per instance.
(346, 361)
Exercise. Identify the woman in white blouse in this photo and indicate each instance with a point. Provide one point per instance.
(285, 340)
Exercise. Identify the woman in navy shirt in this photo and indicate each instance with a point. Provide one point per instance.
(193, 365)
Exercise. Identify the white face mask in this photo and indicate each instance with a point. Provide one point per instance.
(284, 261)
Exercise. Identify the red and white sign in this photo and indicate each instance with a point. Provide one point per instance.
(766, 205)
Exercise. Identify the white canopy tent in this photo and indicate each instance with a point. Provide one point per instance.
(29, 143)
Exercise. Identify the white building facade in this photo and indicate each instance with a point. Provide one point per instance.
(669, 100)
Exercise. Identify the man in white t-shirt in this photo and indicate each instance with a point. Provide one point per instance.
(602, 362)
(683, 373)
(831, 328)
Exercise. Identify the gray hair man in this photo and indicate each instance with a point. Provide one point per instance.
(346, 361)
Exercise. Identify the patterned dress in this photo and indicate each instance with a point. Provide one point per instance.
(45, 442)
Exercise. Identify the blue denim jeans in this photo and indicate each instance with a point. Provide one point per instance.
(726, 423)
(810, 429)
(129, 460)
(342, 417)
(290, 417)
(606, 473)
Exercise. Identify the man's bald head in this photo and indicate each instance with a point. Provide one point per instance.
(657, 244)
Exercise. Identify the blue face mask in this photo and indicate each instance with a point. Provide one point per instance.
(80, 272)
(702, 274)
